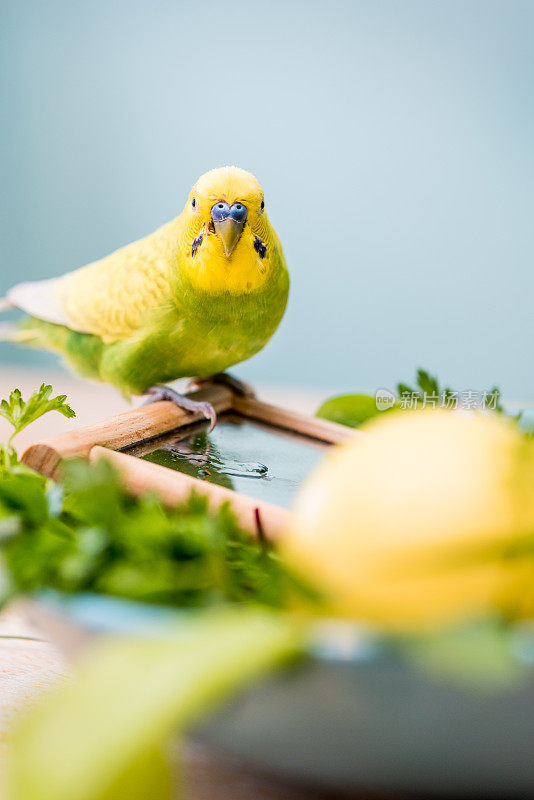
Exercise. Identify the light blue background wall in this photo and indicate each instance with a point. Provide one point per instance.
(394, 141)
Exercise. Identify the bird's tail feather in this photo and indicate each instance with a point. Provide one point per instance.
(10, 332)
(7, 332)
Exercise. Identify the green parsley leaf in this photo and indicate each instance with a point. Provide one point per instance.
(8, 457)
(355, 409)
(88, 534)
(426, 384)
(21, 413)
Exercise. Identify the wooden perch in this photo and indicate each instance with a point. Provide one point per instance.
(174, 487)
(130, 427)
(104, 439)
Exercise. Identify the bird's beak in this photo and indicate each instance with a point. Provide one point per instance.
(228, 230)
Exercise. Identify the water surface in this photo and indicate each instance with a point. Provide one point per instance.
(253, 459)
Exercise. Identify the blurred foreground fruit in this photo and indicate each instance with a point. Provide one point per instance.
(427, 519)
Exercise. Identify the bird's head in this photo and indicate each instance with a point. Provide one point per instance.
(226, 236)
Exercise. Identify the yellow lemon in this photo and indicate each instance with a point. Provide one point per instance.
(419, 521)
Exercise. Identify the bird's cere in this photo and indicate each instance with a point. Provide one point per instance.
(229, 222)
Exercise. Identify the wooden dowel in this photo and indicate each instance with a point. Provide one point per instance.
(174, 487)
(156, 419)
(122, 430)
(317, 428)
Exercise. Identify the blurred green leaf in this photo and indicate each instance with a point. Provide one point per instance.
(425, 385)
(350, 409)
(24, 492)
(105, 731)
(477, 655)
(149, 776)
(355, 409)
(8, 457)
(89, 534)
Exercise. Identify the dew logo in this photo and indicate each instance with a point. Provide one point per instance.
(384, 399)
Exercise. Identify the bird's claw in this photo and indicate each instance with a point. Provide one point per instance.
(209, 412)
(157, 393)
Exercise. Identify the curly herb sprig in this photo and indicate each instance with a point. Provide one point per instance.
(20, 413)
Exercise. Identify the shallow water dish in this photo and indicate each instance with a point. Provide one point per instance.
(254, 459)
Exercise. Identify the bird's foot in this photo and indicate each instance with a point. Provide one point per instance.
(224, 378)
(156, 393)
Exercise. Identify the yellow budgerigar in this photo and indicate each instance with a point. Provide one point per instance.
(200, 294)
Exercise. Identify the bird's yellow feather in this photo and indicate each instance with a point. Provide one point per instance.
(210, 270)
(111, 297)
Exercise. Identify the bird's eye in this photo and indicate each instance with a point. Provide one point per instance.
(262, 206)
(194, 202)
